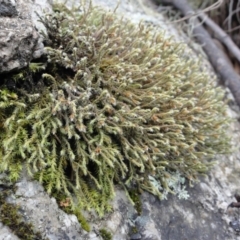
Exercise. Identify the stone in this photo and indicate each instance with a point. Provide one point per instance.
(20, 42)
(8, 8)
(235, 225)
(136, 236)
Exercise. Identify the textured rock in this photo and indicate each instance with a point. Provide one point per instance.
(203, 216)
(6, 233)
(41, 210)
(20, 42)
(8, 8)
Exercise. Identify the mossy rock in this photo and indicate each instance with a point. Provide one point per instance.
(105, 234)
(10, 216)
(110, 103)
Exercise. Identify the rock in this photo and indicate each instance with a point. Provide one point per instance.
(43, 212)
(6, 233)
(203, 216)
(8, 8)
(135, 236)
(235, 225)
(20, 41)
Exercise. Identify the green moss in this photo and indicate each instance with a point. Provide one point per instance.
(67, 206)
(84, 223)
(135, 196)
(134, 230)
(81, 219)
(111, 103)
(106, 235)
(10, 216)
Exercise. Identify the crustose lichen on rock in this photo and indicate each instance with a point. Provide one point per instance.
(111, 103)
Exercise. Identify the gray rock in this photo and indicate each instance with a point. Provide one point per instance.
(235, 225)
(8, 8)
(20, 42)
(6, 233)
(43, 212)
(136, 236)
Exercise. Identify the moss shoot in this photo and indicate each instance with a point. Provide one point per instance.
(135, 197)
(106, 235)
(110, 103)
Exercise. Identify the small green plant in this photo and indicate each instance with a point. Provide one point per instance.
(135, 197)
(106, 235)
(112, 103)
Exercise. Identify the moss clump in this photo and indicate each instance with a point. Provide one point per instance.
(134, 230)
(114, 103)
(135, 197)
(106, 235)
(10, 216)
(82, 220)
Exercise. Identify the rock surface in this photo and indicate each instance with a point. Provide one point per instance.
(203, 216)
(20, 41)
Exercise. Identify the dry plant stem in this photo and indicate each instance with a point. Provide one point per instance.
(221, 36)
(192, 14)
(216, 56)
(231, 15)
(230, 19)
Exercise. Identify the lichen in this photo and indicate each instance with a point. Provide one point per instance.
(110, 103)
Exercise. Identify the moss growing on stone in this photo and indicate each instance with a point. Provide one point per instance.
(134, 230)
(82, 220)
(66, 205)
(114, 103)
(106, 235)
(135, 197)
(10, 216)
